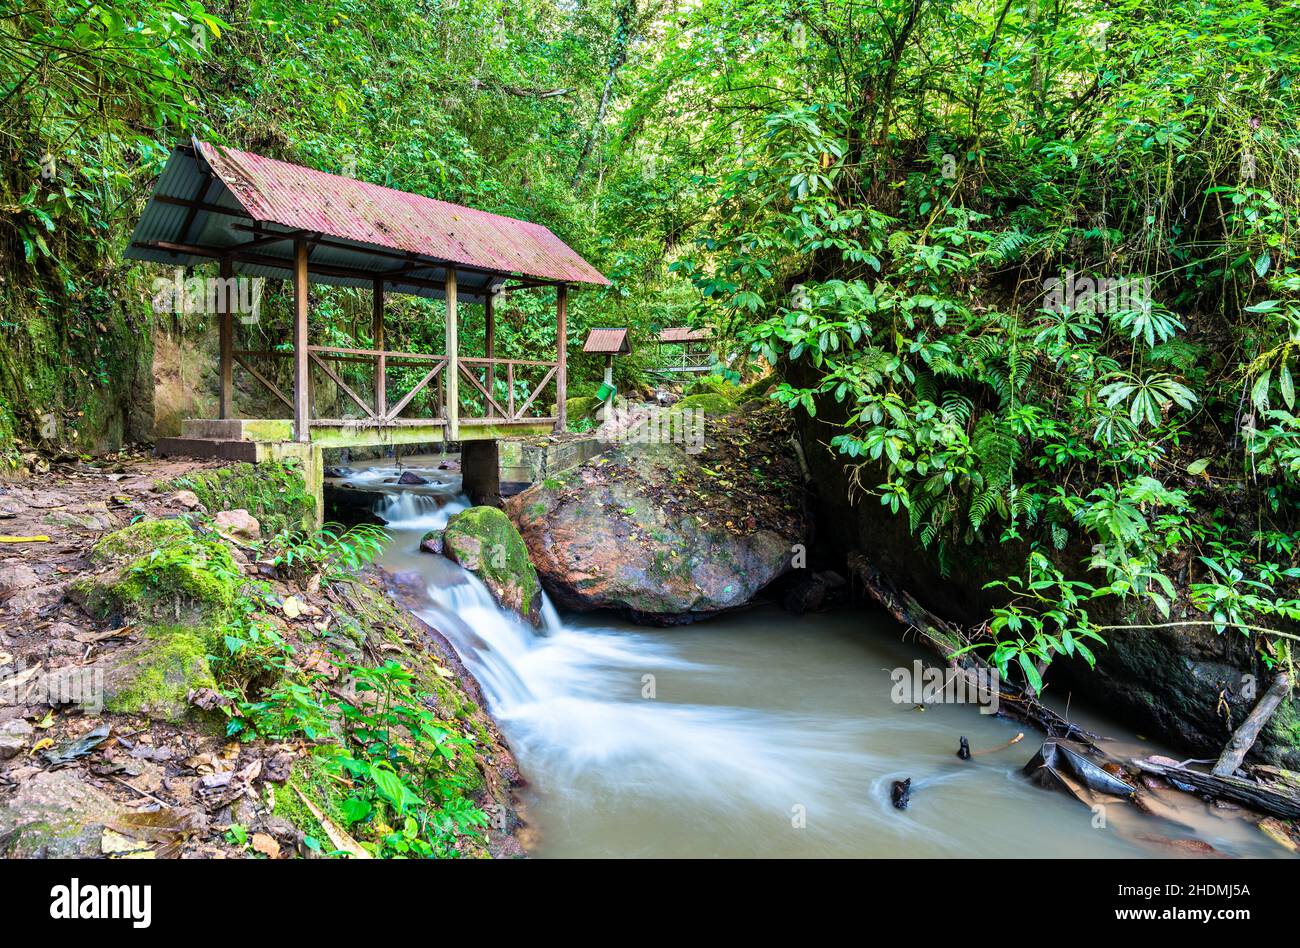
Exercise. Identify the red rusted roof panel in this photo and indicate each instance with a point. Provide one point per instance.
(607, 341)
(684, 334)
(303, 198)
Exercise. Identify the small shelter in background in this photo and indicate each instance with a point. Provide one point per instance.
(609, 343)
(682, 349)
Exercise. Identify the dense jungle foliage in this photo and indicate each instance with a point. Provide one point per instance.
(1037, 253)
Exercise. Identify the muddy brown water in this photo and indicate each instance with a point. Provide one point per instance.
(761, 734)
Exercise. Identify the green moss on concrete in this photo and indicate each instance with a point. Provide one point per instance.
(274, 492)
(485, 542)
(266, 429)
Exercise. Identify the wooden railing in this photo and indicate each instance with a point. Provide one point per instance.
(684, 360)
(503, 386)
(520, 394)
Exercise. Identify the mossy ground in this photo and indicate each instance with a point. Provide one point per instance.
(274, 492)
(710, 404)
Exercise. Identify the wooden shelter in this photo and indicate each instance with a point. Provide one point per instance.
(682, 349)
(259, 217)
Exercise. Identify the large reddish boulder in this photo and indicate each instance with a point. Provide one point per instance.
(666, 536)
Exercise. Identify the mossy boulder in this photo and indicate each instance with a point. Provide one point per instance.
(154, 676)
(140, 538)
(710, 404)
(583, 406)
(160, 571)
(177, 587)
(580, 407)
(756, 389)
(485, 542)
(715, 385)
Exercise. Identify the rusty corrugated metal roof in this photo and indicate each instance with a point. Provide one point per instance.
(684, 334)
(211, 201)
(298, 197)
(607, 342)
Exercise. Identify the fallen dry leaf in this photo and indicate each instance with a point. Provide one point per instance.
(266, 845)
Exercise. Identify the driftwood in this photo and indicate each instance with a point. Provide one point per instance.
(943, 638)
(1243, 739)
(1255, 795)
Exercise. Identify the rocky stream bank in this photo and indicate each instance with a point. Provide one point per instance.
(180, 679)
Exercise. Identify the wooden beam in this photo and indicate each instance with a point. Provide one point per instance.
(193, 212)
(377, 341)
(267, 383)
(347, 389)
(226, 334)
(561, 355)
(452, 410)
(489, 340)
(406, 399)
(301, 365)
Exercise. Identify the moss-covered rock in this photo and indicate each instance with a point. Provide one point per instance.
(579, 407)
(756, 389)
(140, 538)
(710, 404)
(275, 492)
(715, 385)
(485, 542)
(162, 571)
(55, 815)
(583, 406)
(155, 676)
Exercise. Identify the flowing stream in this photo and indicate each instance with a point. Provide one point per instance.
(758, 734)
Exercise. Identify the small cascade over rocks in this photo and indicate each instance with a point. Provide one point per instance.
(412, 510)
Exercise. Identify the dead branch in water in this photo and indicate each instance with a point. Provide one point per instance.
(1243, 739)
(943, 638)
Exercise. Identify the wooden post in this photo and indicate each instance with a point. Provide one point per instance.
(227, 339)
(561, 355)
(301, 363)
(490, 340)
(607, 409)
(381, 361)
(453, 362)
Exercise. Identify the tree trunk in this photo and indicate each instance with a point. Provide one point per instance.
(626, 15)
